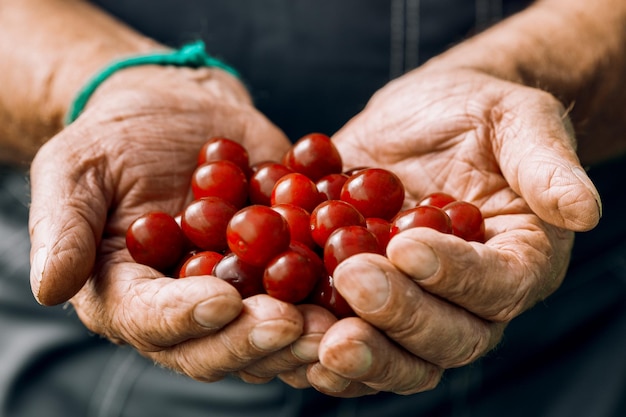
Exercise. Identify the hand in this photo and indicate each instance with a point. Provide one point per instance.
(133, 150)
(505, 147)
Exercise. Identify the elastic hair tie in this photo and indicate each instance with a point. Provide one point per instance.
(191, 55)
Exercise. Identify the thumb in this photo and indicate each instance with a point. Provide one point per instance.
(537, 157)
(67, 215)
(263, 140)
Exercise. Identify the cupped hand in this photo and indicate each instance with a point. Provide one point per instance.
(437, 301)
(133, 150)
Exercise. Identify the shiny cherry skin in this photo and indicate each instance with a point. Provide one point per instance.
(346, 242)
(221, 179)
(314, 155)
(262, 180)
(438, 199)
(224, 149)
(381, 229)
(326, 295)
(292, 275)
(330, 186)
(329, 216)
(299, 221)
(467, 221)
(421, 216)
(204, 222)
(350, 172)
(296, 189)
(201, 263)
(374, 192)
(156, 240)
(246, 278)
(257, 233)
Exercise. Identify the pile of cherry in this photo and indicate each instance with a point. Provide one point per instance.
(281, 228)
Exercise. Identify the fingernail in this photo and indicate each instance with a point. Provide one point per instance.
(217, 311)
(271, 335)
(363, 285)
(306, 348)
(584, 179)
(414, 258)
(37, 269)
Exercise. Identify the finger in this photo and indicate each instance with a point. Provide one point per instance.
(265, 325)
(355, 350)
(317, 321)
(131, 303)
(426, 326)
(264, 140)
(330, 383)
(67, 214)
(296, 378)
(535, 148)
(520, 265)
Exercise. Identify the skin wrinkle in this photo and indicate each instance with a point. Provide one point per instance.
(186, 362)
(168, 301)
(406, 327)
(525, 292)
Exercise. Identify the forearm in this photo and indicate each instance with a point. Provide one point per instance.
(574, 49)
(48, 50)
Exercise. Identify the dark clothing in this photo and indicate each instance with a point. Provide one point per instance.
(310, 66)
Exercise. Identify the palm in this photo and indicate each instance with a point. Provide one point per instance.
(499, 145)
(133, 150)
(502, 146)
(435, 139)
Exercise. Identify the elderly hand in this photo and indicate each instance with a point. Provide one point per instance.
(133, 150)
(437, 301)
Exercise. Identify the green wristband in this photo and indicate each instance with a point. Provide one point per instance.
(191, 55)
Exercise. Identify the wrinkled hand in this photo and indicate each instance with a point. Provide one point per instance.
(507, 148)
(133, 150)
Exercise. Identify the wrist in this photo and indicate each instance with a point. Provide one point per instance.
(571, 49)
(192, 55)
(61, 44)
(174, 81)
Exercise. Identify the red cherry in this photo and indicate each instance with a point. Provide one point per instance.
(381, 229)
(350, 172)
(314, 155)
(263, 179)
(257, 233)
(467, 221)
(326, 295)
(292, 275)
(437, 200)
(201, 263)
(329, 216)
(299, 221)
(246, 278)
(421, 216)
(221, 179)
(204, 222)
(346, 242)
(155, 239)
(312, 254)
(330, 186)
(374, 192)
(224, 149)
(296, 189)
